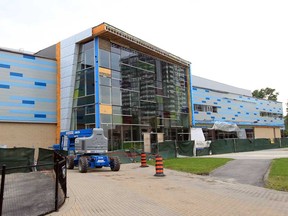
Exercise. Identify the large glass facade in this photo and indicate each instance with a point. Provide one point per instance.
(83, 111)
(144, 94)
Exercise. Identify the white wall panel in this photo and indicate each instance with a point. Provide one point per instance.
(67, 51)
(66, 93)
(69, 56)
(67, 61)
(65, 124)
(67, 82)
(66, 71)
(65, 113)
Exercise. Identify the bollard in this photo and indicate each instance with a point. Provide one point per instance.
(143, 160)
(159, 166)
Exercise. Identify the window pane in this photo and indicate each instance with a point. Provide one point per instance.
(127, 120)
(116, 96)
(126, 110)
(80, 117)
(116, 74)
(124, 53)
(127, 133)
(116, 83)
(106, 118)
(115, 61)
(115, 48)
(80, 84)
(90, 109)
(117, 119)
(89, 118)
(105, 81)
(105, 94)
(126, 99)
(117, 110)
(104, 58)
(90, 81)
(89, 58)
(86, 100)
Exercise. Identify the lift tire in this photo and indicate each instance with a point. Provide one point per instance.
(70, 162)
(83, 165)
(115, 164)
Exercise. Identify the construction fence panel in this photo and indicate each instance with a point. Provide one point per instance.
(244, 145)
(261, 144)
(203, 151)
(284, 142)
(16, 157)
(45, 156)
(185, 148)
(275, 143)
(222, 146)
(167, 149)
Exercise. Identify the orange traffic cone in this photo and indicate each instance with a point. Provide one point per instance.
(143, 160)
(159, 166)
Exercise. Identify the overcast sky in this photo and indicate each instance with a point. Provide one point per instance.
(243, 43)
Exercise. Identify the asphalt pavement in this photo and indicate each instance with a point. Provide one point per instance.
(249, 171)
(248, 167)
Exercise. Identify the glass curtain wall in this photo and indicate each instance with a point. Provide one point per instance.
(83, 111)
(146, 95)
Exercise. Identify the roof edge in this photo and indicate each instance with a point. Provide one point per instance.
(105, 27)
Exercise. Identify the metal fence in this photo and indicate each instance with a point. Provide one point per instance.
(40, 191)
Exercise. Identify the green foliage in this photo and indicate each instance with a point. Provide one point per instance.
(200, 166)
(267, 93)
(278, 176)
(286, 126)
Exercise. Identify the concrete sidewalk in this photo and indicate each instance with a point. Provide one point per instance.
(135, 191)
(263, 154)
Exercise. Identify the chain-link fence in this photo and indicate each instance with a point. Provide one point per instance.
(28, 188)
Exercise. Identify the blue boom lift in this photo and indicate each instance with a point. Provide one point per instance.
(87, 148)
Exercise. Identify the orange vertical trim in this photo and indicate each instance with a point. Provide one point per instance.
(58, 94)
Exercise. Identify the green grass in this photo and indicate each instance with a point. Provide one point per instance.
(199, 166)
(278, 176)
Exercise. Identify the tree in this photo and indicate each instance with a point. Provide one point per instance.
(286, 125)
(286, 122)
(267, 93)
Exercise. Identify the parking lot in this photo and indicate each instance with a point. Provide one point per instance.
(136, 191)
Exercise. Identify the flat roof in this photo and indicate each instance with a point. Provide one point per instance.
(18, 51)
(217, 86)
(22, 52)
